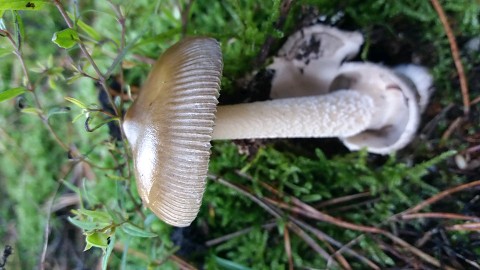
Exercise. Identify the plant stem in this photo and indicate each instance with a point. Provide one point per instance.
(31, 89)
(101, 77)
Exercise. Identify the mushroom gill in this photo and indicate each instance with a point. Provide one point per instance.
(169, 128)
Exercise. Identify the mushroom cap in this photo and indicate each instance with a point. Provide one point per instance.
(397, 114)
(169, 128)
(309, 60)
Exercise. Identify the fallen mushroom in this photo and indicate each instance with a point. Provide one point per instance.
(308, 61)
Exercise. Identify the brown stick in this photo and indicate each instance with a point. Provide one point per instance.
(229, 236)
(342, 199)
(453, 126)
(475, 101)
(314, 213)
(439, 196)
(288, 247)
(455, 55)
(438, 215)
(275, 212)
(475, 226)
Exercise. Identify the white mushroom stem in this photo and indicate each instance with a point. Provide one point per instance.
(338, 114)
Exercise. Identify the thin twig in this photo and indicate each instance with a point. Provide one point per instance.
(327, 218)
(417, 252)
(474, 226)
(101, 77)
(396, 253)
(46, 232)
(455, 54)
(309, 240)
(342, 248)
(31, 89)
(438, 197)
(343, 199)
(185, 15)
(276, 213)
(325, 237)
(437, 215)
(314, 213)
(227, 237)
(288, 247)
(80, 43)
(453, 126)
(475, 101)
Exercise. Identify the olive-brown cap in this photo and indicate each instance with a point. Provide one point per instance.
(169, 128)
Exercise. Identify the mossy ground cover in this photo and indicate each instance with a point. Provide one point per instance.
(269, 204)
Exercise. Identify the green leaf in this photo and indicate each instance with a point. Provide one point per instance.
(71, 187)
(58, 110)
(312, 197)
(97, 239)
(133, 230)
(5, 52)
(96, 215)
(76, 102)
(19, 29)
(229, 265)
(77, 117)
(88, 225)
(122, 54)
(66, 38)
(74, 78)
(31, 110)
(86, 28)
(11, 93)
(23, 5)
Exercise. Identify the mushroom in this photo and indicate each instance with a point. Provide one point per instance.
(170, 124)
(309, 59)
(169, 128)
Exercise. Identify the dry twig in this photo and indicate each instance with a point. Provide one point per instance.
(277, 214)
(288, 247)
(455, 54)
(311, 212)
(438, 197)
(473, 226)
(229, 236)
(438, 215)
